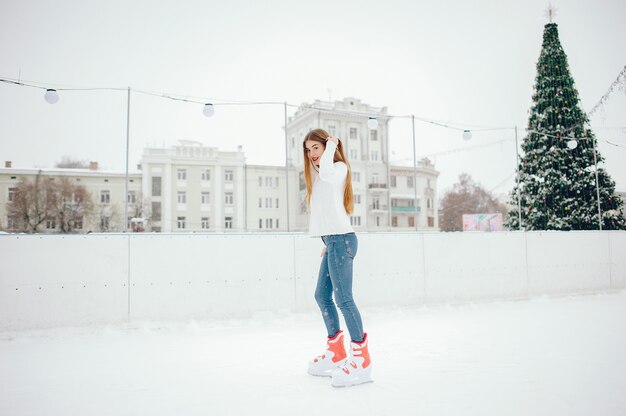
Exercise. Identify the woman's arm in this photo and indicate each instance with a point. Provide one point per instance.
(330, 172)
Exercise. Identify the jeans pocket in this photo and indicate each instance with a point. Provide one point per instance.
(352, 245)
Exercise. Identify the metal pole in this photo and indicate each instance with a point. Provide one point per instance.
(414, 173)
(127, 147)
(519, 202)
(595, 161)
(286, 165)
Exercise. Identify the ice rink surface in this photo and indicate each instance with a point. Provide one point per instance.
(543, 356)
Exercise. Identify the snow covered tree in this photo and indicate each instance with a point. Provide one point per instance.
(556, 180)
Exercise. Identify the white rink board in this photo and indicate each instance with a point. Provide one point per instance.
(54, 280)
(222, 275)
(474, 266)
(572, 262)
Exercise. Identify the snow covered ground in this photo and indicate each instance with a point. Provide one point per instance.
(544, 356)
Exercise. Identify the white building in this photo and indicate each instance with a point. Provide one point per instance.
(192, 187)
(106, 189)
(377, 205)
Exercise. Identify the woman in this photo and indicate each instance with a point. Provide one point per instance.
(329, 194)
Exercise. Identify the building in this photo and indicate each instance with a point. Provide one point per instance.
(106, 190)
(384, 195)
(192, 187)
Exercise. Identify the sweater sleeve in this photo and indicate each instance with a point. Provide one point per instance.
(329, 171)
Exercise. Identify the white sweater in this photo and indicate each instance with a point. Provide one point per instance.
(328, 215)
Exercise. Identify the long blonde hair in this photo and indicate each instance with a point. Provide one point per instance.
(319, 135)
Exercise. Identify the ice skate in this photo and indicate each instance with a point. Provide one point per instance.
(357, 369)
(333, 358)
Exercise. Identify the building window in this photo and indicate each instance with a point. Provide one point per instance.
(276, 183)
(205, 223)
(156, 186)
(374, 155)
(355, 220)
(431, 221)
(394, 221)
(356, 176)
(11, 195)
(260, 202)
(51, 223)
(228, 176)
(331, 130)
(268, 223)
(156, 211)
(374, 177)
(105, 197)
(228, 222)
(180, 222)
(353, 154)
(132, 197)
(375, 202)
(353, 132)
(373, 135)
(428, 183)
(104, 223)
(206, 175)
(182, 197)
(277, 223)
(357, 198)
(228, 198)
(276, 203)
(182, 174)
(260, 181)
(409, 181)
(268, 202)
(392, 180)
(429, 203)
(206, 198)
(11, 225)
(260, 223)
(378, 221)
(411, 221)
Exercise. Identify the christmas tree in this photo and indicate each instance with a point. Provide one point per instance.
(556, 181)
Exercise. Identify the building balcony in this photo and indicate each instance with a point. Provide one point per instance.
(405, 209)
(378, 207)
(377, 187)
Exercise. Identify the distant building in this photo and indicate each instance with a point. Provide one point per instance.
(192, 187)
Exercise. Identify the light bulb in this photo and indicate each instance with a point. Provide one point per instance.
(467, 135)
(51, 96)
(208, 110)
(372, 123)
(572, 144)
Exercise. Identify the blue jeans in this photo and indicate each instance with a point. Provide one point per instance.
(335, 276)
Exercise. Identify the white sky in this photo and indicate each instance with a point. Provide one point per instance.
(467, 62)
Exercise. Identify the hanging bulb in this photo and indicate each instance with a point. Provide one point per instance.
(467, 135)
(51, 96)
(208, 110)
(372, 123)
(572, 144)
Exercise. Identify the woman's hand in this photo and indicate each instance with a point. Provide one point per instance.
(333, 139)
(323, 252)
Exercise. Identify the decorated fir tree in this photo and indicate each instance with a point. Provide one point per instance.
(556, 181)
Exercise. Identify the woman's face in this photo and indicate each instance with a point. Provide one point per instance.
(314, 150)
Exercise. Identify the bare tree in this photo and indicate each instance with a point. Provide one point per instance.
(30, 206)
(70, 205)
(69, 162)
(466, 197)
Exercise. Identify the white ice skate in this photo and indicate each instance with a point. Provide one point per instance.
(357, 369)
(333, 358)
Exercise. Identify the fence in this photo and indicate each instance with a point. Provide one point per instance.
(66, 280)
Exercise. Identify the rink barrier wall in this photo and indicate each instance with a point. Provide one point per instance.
(71, 280)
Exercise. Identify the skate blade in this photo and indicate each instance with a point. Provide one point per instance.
(355, 383)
